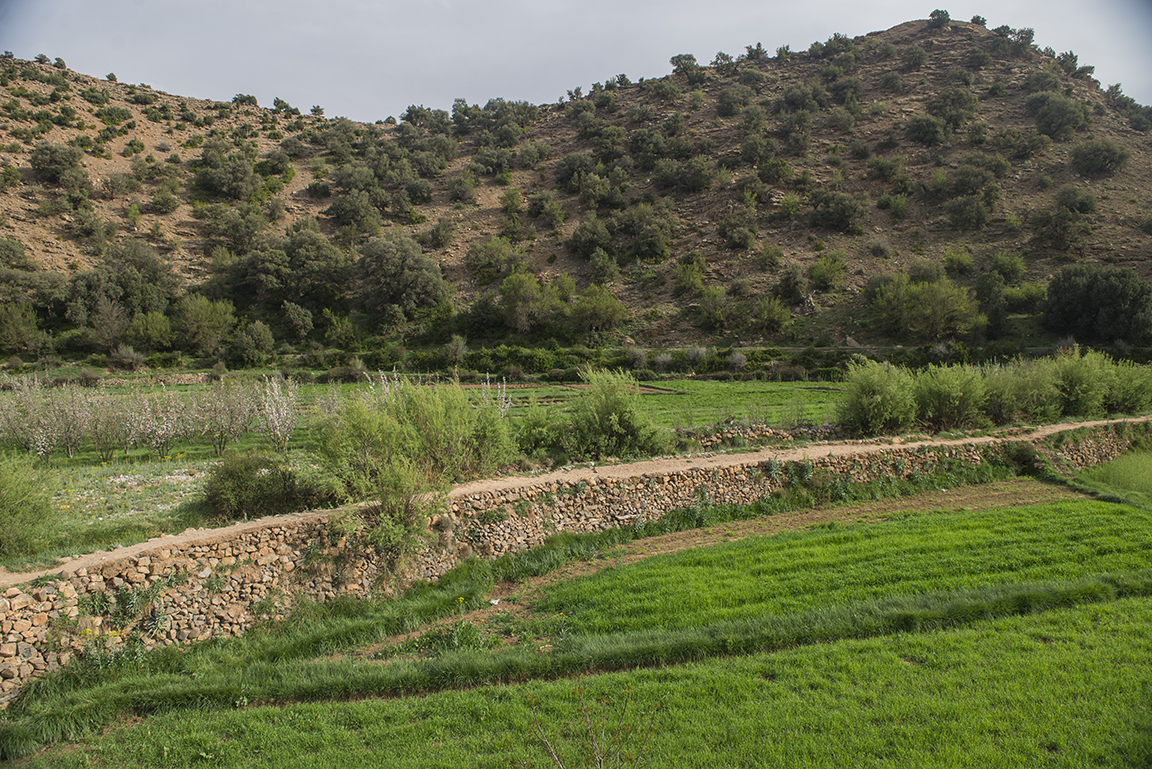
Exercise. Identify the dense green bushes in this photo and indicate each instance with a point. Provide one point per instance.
(1094, 302)
(878, 399)
(435, 434)
(605, 421)
(252, 485)
(881, 398)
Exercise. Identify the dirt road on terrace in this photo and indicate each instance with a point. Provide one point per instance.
(662, 465)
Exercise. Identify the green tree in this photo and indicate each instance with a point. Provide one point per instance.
(1056, 115)
(394, 270)
(928, 311)
(52, 163)
(150, 331)
(1099, 303)
(252, 344)
(596, 309)
(203, 323)
(18, 328)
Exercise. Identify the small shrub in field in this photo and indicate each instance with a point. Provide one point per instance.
(607, 420)
(878, 399)
(249, 485)
(25, 509)
(1083, 380)
(948, 397)
(1022, 391)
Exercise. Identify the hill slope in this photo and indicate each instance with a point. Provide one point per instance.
(688, 198)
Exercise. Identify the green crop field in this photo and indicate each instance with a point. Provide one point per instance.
(1008, 637)
(694, 403)
(810, 570)
(1066, 688)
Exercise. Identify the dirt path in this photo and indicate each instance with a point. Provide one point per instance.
(662, 465)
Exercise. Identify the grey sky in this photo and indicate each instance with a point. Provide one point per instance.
(367, 60)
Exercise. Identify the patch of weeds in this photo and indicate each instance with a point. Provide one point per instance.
(214, 583)
(449, 638)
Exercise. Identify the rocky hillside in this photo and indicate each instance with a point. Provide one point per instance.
(759, 199)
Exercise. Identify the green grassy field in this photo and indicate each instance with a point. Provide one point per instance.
(1067, 688)
(1127, 478)
(816, 648)
(695, 403)
(804, 571)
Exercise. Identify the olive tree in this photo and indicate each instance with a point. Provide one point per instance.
(393, 270)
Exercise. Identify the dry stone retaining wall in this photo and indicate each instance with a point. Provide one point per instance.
(170, 595)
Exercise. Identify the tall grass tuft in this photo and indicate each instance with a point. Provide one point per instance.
(25, 510)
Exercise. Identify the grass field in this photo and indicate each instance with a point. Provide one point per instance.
(1067, 688)
(702, 403)
(1127, 478)
(805, 571)
(924, 639)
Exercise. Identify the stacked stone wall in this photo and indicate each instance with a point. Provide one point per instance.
(217, 587)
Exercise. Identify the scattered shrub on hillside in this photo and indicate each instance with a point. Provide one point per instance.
(1010, 266)
(771, 316)
(927, 130)
(792, 286)
(958, 263)
(835, 210)
(1099, 157)
(912, 58)
(1056, 115)
(827, 272)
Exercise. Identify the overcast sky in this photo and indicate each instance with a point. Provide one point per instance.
(368, 59)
